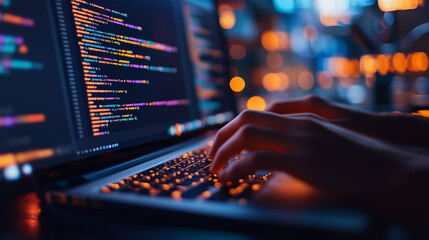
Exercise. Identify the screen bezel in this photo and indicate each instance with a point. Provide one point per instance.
(47, 176)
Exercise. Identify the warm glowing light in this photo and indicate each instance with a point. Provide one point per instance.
(227, 18)
(256, 103)
(420, 61)
(274, 60)
(399, 62)
(272, 82)
(178, 129)
(23, 157)
(410, 65)
(329, 20)
(383, 64)
(23, 49)
(237, 84)
(269, 40)
(273, 41)
(237, 52)
(368, 65)
(285, 81)
(356, 69)
(306, 80)
(343, 67)
(423, 113)
(325, 80)
(6, 160)
(311, 33)
(395, 5)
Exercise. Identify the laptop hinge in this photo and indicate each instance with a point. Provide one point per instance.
(88, 177)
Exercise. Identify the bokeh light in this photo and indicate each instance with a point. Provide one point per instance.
(383, 64)
(227, 18)
(237, 51)
(325, 80)
(274, 41)
(256, 103)
(271, 82)
(285, 81)
(284, 6)
(395, 5)
(368, 65)
(305, 80)
(420, 61)
(237, 84)
(399, 62)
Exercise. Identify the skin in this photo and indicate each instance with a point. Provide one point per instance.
(380, 160)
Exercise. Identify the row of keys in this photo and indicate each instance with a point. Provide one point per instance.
(188, 176)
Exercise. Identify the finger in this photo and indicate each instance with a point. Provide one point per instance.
(251, 137)
(257, 118)
(293, 163)
(305, 116)
(259, 160)
(308, 104)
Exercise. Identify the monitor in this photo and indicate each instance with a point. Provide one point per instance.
(82, 79)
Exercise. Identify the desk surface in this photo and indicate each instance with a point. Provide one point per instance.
(24, 218)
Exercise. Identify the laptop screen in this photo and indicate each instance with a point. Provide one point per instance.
(83, 78)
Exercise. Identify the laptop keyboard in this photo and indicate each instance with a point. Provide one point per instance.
(187, 176)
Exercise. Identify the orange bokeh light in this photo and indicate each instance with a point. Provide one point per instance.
(383, 64)
(285, 81)
(23, 49)
(271, 82)
(273, 41)
(227, 18)
(305, 80)
(334, 20)
(237, 84)
(368, 65)
(420, 61)
(399, 62)
(256, 103)
(325, 80)
(237, 52)
(410, 65)
(423, 113)
(395, 5)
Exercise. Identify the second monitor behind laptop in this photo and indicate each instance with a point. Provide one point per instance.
(111, 75)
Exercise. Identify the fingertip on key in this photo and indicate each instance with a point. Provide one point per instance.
(210, 154)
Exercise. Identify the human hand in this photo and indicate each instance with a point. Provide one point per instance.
(305, 146)
(320, 152)
(404, 130)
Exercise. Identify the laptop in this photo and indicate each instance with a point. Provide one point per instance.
(114, 104)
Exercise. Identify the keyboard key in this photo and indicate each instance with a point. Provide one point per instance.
(187, 176)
